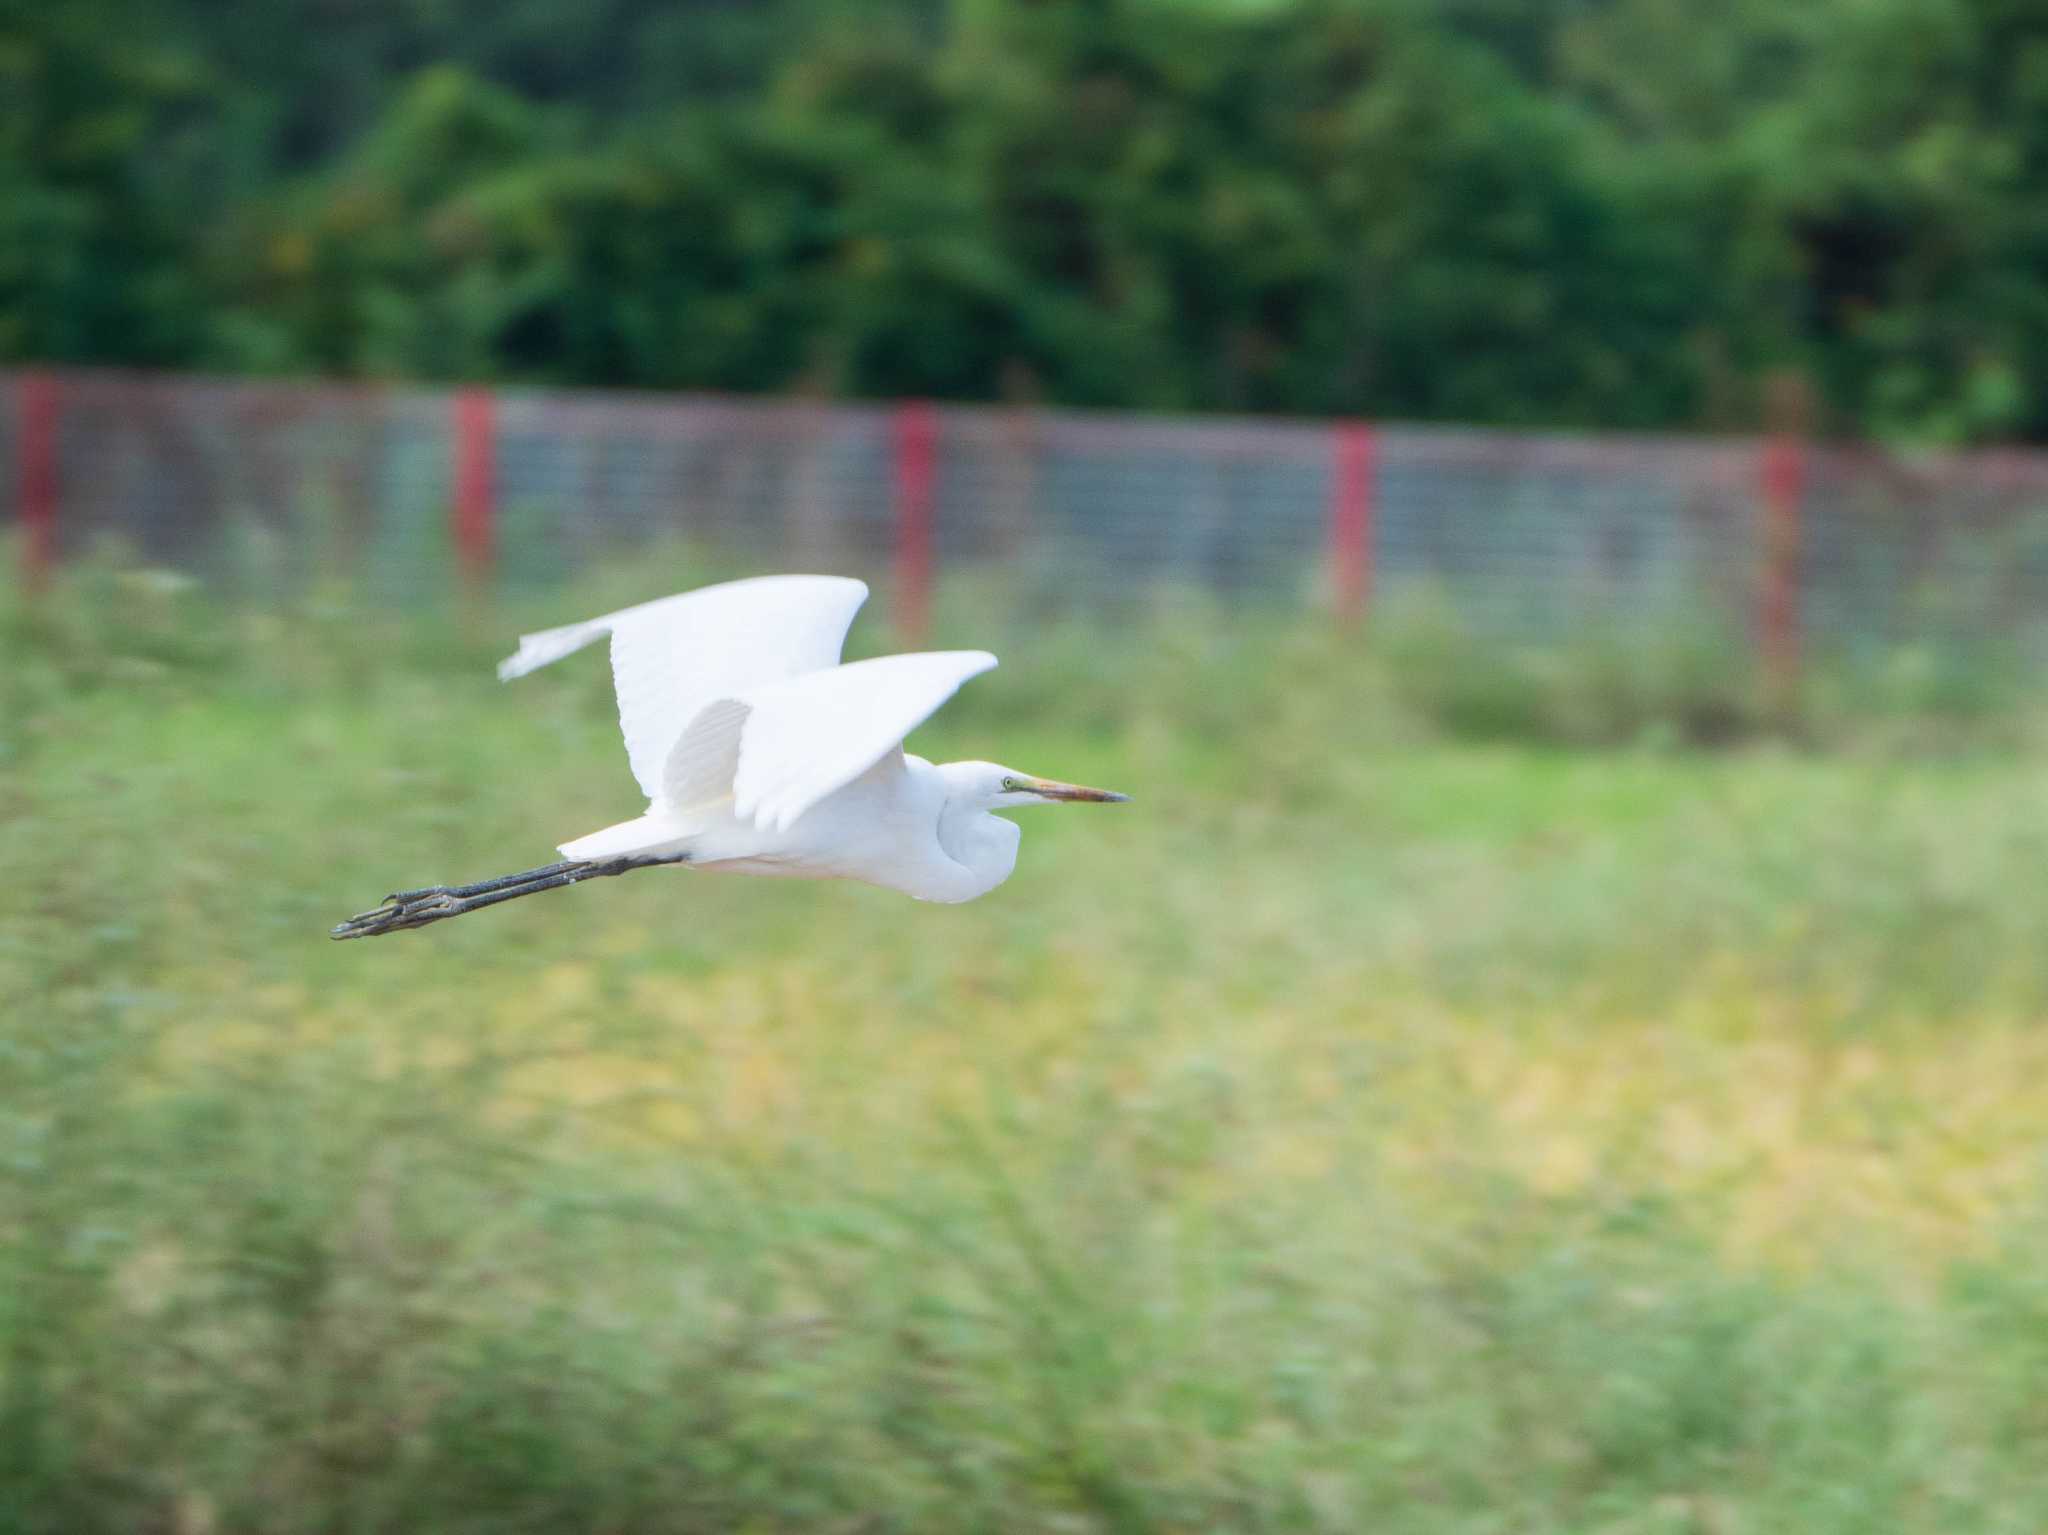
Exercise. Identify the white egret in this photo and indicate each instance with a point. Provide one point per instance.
(760, 753)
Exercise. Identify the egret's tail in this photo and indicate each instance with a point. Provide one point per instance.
(654, 835)
(417, 908)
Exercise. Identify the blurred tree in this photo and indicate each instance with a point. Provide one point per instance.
(1621, 212)
(103, 150)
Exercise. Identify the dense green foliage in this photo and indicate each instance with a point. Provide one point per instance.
(1627, 212)
(1357, 1131)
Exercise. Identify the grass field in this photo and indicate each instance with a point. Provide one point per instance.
(1360, 1131)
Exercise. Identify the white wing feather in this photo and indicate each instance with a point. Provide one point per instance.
(789, 745)
(674, 656)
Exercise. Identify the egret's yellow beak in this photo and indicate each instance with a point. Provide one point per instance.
(1053, 789)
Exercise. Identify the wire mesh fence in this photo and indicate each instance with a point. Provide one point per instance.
(261, 489)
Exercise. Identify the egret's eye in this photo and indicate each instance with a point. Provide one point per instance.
(1009, 784)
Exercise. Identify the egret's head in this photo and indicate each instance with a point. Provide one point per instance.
(996, 787)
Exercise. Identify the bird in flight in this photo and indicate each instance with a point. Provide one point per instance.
(761, 753)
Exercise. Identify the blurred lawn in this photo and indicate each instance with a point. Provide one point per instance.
(1358, 1131)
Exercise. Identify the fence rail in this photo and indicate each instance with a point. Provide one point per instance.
(259, 488)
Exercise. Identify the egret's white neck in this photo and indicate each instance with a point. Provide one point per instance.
(984, 845)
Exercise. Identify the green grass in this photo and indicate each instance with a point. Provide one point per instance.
(1365, 1129)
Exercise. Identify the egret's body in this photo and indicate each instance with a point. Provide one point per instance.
(760, 753)
(901, 825)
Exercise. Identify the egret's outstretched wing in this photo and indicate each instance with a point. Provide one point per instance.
(782, 748)
(673, 656)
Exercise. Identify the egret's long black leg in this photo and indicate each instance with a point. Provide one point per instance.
(485, 886)
(416, 908)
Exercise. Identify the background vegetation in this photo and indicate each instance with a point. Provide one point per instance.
(1379, 1124)
(1451, 1097)
(1616, 212)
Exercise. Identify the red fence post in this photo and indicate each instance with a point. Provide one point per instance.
(36, 462)
(1351, 518)
(475, 449)
(917, 436)
(1782, 476)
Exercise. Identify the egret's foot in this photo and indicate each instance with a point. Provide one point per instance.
(416, 908)
(482, 886)
(407, 908)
